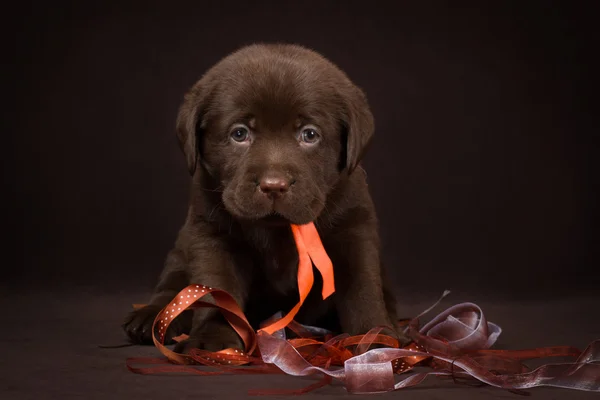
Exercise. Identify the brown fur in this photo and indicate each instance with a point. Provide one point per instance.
(236, 236)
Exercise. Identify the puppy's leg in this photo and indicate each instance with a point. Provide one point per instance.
(213, 264)
(362, 301)
(174, 277)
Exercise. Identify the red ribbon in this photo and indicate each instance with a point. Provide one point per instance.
(455, 344)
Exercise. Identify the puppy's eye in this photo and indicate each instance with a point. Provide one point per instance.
(240, 134)
(309, 136)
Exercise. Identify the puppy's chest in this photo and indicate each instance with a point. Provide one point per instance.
(275, 281)
(278, 271)
(275, 259)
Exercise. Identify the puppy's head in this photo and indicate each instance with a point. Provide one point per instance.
(277, 126)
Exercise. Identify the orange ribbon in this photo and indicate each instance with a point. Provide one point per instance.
(309, 248)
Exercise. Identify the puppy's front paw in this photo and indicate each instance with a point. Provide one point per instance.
(138, 325)
(214, 336)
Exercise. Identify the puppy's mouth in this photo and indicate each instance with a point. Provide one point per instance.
(274, 219)
(247, 205)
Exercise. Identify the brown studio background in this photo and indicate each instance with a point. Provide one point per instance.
(481, 168)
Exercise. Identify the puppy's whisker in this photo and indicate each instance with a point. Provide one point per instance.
(215, 208)
(216, 190)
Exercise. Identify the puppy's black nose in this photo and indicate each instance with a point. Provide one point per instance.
(274, 184)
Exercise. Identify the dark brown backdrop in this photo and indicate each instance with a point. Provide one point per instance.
(481, 168)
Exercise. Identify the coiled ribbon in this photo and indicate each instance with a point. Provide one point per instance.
(455, 344)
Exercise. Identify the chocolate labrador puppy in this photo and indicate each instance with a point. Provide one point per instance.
(273, 135)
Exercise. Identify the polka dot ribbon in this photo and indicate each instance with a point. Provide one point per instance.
(453, 345)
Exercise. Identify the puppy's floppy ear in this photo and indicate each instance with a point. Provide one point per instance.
(359, 126)
(189, 124)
